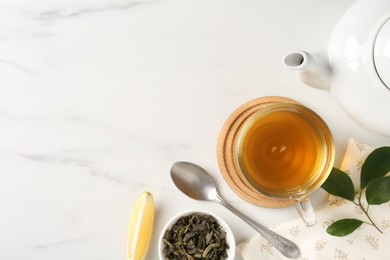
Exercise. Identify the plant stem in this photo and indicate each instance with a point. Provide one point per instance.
(368, 216)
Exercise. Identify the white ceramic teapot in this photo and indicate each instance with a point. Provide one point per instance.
(356, 65)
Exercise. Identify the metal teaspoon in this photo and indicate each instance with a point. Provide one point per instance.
(198, 184)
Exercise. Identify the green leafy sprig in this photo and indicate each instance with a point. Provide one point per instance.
(373, 181)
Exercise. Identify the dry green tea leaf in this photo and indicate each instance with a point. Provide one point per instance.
(195, 237)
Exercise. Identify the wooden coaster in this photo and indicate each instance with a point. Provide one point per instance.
(227, 161)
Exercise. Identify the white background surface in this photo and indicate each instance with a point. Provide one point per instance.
(99, 98)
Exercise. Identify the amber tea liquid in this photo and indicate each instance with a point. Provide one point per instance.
(282, 152)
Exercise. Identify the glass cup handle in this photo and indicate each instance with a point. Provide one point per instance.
(306, 211)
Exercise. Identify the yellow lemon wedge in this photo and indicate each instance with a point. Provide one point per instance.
(141, 227)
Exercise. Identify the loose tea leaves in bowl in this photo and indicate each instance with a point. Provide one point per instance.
(195, 236)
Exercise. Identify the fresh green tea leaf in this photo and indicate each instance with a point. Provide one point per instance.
(343, 227)
(378, 191)
(375, 166)
(339, 184)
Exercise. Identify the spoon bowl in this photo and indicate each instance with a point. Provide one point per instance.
(193, 181)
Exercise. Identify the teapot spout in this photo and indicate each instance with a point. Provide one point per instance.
(314, 68)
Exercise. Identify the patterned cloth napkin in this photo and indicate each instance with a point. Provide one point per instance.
(365, 243)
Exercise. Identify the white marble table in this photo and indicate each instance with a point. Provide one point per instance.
(99, 97)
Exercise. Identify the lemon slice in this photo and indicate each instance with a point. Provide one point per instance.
(141, 227)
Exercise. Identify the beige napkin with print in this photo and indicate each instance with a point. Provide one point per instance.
(315, 243)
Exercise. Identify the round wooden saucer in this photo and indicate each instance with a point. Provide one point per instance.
(226, 153)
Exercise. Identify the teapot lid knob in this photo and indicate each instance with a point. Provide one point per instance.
(382, 54)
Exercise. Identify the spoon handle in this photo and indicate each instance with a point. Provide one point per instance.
(283, 245)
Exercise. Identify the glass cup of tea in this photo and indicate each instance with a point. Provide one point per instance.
(286, 151)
